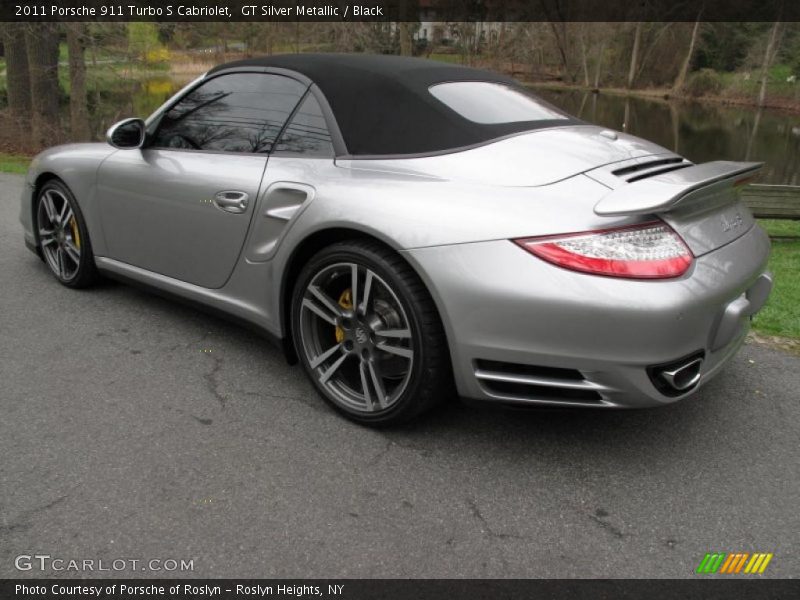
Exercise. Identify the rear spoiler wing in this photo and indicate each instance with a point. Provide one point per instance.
(679, 188)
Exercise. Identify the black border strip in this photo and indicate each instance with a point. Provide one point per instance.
(401, 10)
(700, 588)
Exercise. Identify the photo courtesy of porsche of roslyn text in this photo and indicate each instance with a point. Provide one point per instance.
(437, 300)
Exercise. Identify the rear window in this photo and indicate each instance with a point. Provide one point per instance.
(490, 103)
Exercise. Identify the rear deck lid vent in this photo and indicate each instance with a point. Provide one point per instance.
(650, 168)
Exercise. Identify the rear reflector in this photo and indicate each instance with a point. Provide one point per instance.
(648, 251)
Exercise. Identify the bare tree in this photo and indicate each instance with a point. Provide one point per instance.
(637, 42)
(598, 64)
(593, 38)
(41, 42)
(404, 30)
(18, 81)
(529, 41)
(561, 38)
(368, 36)
(406, 39)
(680, 80)
(468, 36)
(649, 44)
(769, 56)
(78, 110)
(584, 58)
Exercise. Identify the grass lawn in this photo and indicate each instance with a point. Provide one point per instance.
(781, 315)
(777, 84)
(448, 58)
(14, 163)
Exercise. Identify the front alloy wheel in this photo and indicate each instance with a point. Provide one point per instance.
(368, 334)
(62, 235)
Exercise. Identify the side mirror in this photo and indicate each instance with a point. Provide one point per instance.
(127, 135)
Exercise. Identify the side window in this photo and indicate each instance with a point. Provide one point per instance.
(240, 112)
(307, 133)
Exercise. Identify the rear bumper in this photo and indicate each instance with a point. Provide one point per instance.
(581, 339)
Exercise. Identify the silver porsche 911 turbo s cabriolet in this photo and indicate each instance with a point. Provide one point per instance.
(404, 228)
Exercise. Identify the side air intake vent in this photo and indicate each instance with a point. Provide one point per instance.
(651, 168)
(529, 383)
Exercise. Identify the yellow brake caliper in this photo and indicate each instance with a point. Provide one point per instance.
(73, 224)
(346, 302)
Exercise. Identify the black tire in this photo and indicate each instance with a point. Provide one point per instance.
(84, 273)
(429, 377)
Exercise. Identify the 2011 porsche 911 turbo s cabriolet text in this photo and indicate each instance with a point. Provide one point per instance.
(403, 227)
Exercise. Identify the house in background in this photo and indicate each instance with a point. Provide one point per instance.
(432, 30)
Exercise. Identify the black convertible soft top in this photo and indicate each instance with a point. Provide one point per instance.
(382, 105)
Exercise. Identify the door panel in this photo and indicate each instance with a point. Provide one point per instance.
(183, 213)
(159, 212)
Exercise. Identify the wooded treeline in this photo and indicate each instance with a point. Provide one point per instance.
(622, 54)
(32, 85)
(696, 59)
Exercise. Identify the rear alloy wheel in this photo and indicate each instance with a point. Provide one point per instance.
(368, 334)
(62, 236)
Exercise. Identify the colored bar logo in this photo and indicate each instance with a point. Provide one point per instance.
(734, 563)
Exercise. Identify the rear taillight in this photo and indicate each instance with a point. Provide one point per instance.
(648, 251)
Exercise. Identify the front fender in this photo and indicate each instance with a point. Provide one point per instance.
(76, 165)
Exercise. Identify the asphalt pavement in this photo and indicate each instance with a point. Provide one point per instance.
(134, 428)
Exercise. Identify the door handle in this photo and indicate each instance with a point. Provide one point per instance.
(232, 201)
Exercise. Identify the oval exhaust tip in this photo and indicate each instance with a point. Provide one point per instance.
(683, 377)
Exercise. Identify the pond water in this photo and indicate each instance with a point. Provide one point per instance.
(130, 98)
(700, 132)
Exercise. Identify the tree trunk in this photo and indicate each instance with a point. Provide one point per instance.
(560, 35)
(97, 126)
(78, 110)
(585, 61)
(404, 31)
(769, 55)
(645, 53)
(598, 65)
(637, 40)
(18, 80)
(41, 41)
(680, 80)
(406, 42)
